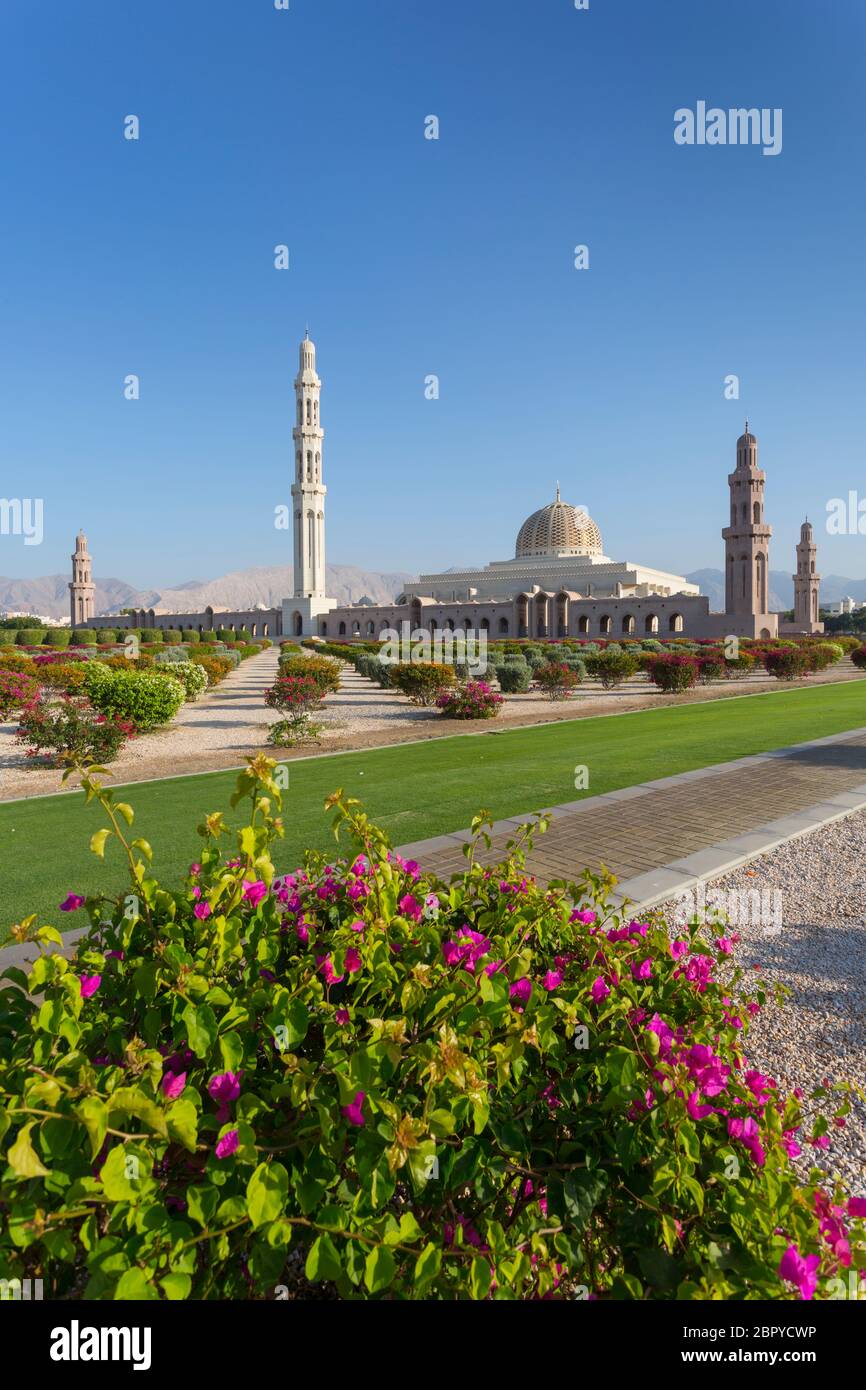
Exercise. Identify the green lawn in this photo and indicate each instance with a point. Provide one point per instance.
(414, 791)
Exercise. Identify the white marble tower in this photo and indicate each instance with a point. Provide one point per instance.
(807, 582)
(82, 593)
(309, 602)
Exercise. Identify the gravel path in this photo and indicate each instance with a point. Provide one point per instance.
(820, 955)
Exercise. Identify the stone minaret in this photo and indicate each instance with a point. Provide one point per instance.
(82, 593)
(308, 503)
(747, 542)
(806, 582)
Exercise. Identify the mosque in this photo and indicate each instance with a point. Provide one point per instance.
(558, 584)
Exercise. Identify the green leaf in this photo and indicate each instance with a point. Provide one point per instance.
(479, 1278)
(323, 1262)
(97, 843)
(202, 1203)
(126, 811)
(182, 1121)
(297, 1021)
(176, 1286)
(379, 1269)
(583, 1190)
(136, 1286)
(427, 1266)
(232, 1051)
(267, 1191)
(94, 1116)
(23, 1158)
(201, 1028)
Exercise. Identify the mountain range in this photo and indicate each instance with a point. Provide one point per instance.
(269, 585)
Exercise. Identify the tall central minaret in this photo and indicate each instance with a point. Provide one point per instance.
(308, 503)
(807, 582)
(82, 593)
(747, 542)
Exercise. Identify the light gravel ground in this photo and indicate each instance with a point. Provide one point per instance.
(820, 955)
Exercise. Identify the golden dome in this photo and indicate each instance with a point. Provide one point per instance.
(558, 529)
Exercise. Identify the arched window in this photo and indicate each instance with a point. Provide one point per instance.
(297, 624)
(485, 624)
(449, 623)
(651, 623)
(503, 625)
(675, 623)
(627, 623)
(356, 628)
(604, 624)
(583, 623)
(309, 465)
(370, 628)
(745, 512)
(309, 413)
(342, 629)
(756, 513)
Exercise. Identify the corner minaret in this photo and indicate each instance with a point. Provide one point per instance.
(747, 546)
(807, 582)
(308, 503)
(82, 592)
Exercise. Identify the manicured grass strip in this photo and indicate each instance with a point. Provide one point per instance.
(414, 791)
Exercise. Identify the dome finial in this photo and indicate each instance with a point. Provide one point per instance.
(747, 424)
(557, 490)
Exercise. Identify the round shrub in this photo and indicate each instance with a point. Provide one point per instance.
(345, 1082)
(858, 656)
(216, 668)
(67, 729)
(513, 679)
(58, 637)
(192, 677)
(171, 636)
(786, 663)
(16, 691)
(556, 680)
(474, 700)
(191, 635)
(711, 667)
(8, 636)
(63, 675)
(612, 667)
(673, 674)
(422, 681)
(738, 666)
(33, 636)
(17, 661)
(106, 635)
(144, 699)
(321, 669)
(152, 636)
(83, 637)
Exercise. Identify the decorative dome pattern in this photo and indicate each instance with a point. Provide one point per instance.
(558, 529)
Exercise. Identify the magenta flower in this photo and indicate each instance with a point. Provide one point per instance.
(599, 990)
(114, 955)
(353, 960)
(254, 891)
(72, 903)
(857, 1206)
(89, 984)
(326, 967)
(521, 989)
(586, 917)
(194, 869)
(643, 971)
(224, 1088)
(302, 933)
(357, 926)
(679, 948)
(172, 1085)
(354, 1113)
(342, 1015)
(227, 1145)
(410, 907)
(552, 980)
(801, 1270)
(201, 911)
(725, 945)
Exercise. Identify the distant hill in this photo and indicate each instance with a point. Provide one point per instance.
(265, 584)
(833, 586)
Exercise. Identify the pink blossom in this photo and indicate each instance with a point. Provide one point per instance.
(326, 967)
(357, 926)
(599, 990)
(353, 961)
(172, 1084)
(342, 1015)
(467, 948)
(72, 903)
(354, 1113)
(254, 891)
(224, 1088)
(725, 945)
(857, 1206)
(552, 980)
(227, 1145)
(303, 934)
(801, 1270)
(587, 917)
(202, 911)
(748, 1134)
(194, 869)
(679, 948)
(411, 907)
(643, 971)
(88, 985)
(521, 989)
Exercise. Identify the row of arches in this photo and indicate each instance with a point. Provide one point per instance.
(312, 411)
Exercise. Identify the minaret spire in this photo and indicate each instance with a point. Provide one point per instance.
(82, 591)
(308, 502)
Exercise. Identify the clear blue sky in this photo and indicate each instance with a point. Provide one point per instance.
(411, 257)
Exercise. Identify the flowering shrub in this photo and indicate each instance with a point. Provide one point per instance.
(216, 668)
(321, 669)
(514, 678)
(786, 663)
(17, 661)
(422, 681)
(295, 697)
(557, 680)
(479, 1089)
(192, 677)
(61, 675)
(16, 691)
(474, 700)
(738, 666)
(711, 667)
(611, 667)
(144, 699)
(858, 656)
(672, 674)
(67, 729)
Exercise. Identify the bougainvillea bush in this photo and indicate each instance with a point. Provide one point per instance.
(64, 729)
(672, 674)
(359, 1075)
(474, 700)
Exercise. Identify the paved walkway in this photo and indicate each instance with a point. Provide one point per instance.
(660, 838)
